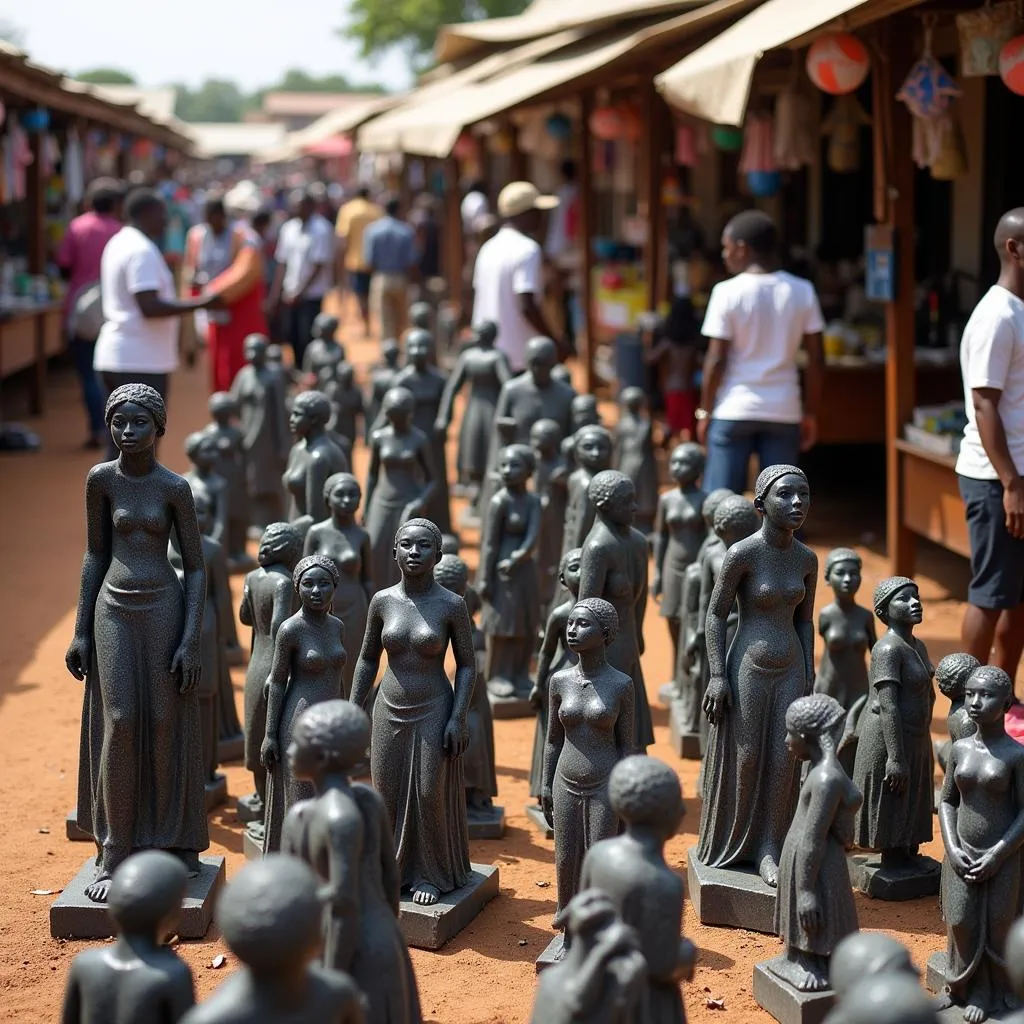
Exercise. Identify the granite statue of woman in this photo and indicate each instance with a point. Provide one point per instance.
(583, 413)
(224, 411)
(634, 453)
(260, 388)
(426, 383)
(420, 730)
(270, 917)
(346, 405)
(344, 835)
(137, 646)
(201, 450)
(592, 450)
(348, 545)
(382, 380)
(324, 354)
(485, 369)
(679, 531)
(848, 631)
(268, 599)
(309, 656)
(815, 909)
(630, 870)
(506, 432)
(590, 730)
(951, 675)
(314, 457)
(614, 567)
(550, 484)
(138, 978)
(751, 781)
(508, 583)
(894, 766)
(399, 482)
(982, 820)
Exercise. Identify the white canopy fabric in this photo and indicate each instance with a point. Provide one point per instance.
(334, 122)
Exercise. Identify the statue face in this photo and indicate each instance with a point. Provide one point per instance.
(300, 420)
(797, 746)
(621, 508)
(417, 351)
(399, 413)
(302, 759)
(570, 576)
(593, 449)
(582, 631)
(540, 366)
(513, 468)
(905, 608)
(787, 502)
(685, 465)
(316, 589)
(985, 700)
(345, 497)
(255, 352)
(845, 578)
(415, 551)
(133, 428)
(207, 453)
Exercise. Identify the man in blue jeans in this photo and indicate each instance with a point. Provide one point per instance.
(755, 323)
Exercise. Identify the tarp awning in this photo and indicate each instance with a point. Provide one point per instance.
(321, 138)
(714, 81)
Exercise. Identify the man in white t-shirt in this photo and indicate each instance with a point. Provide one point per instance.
(508, 281)
(305, 265)
(991, 463)
(756, 322)
(138, 342)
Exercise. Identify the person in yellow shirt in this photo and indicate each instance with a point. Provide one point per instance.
(353, 219)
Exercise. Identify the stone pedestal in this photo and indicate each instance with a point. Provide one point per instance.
(431, 927)
(74, 916)
(216, 790)
(868, 876)
(685, 744)
(252, 846)
(511, 707)
(553, 952)
(730, 897)
(249, 808)
(785, 1003)
(486, 824)
(231, 748)
(536, 815)
(74, 833)
(936, 979)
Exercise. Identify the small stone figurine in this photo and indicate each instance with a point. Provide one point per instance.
(485, 369)
(323, 354)
(382, 380)
(230, 465)
(137, 978)
(630, 870)
(260, 389)
(889, 998)
(848, 631)
(982, 819)
(343, 834)
(201, 450)
(270, 917)
(348, 545)
(585, 413)
(603, 976)
(508, 583)
(894, 764)
(506, 430)
(951, 675)
(550, 484)
(268, 599)
(679, 531)
(634, 454)
(863, 955)
(592, 448)
(591, 708)
(309, 657)
(137, 646)
(751, 781)
(346, 404)
(815, 908)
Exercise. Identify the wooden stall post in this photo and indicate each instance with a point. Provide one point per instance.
(585, 179)
(650, 185)
(518, 168)
(453, 248)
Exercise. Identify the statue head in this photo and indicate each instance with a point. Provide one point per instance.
(281, 544)
(331, 736)
(516, 464)
(645, 793)
(592, 446)
(398, 407)
(952, 673)
(735, 519)
(811, 722)
(417, 547)
(325, 326)
(711, 503)
(783, 496)
(592, 623)
(453, 574)
(614, 496)
(342, 494)
(569, 570)
(254, 348)
(146, 893)
(898, 601)
(686, 463)
(223, 407)
(311, 411)
(136, 416)
(988, 695)
(843, 567)
(546, 436)
(315, 579)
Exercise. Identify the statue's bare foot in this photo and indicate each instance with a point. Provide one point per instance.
(99, 888)
(974, 1014)
(811, 980)
(769, 870)
(425, 895)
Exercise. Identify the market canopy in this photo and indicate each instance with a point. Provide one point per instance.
(714, 81)
(328, 135)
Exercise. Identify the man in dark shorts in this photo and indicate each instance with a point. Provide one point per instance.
(991, 463)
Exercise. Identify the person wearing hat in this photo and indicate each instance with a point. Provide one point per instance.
(508, 278)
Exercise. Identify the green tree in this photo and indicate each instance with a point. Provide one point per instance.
(214, 100)
(106, 76)
(296, 80)
(379, 25)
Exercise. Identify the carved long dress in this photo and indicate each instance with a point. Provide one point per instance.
(486, 370)
(260, 393)
(848, 637)
(635, 457)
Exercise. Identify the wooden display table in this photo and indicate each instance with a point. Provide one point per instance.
(930, 497)
(28, 337)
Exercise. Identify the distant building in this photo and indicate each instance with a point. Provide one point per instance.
(296, 110)
(234, 145)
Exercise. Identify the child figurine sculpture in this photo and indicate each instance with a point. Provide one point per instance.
(231, 466)
(583, 413)
(346, 404)
(592, 449)
(382, 380)
(634, 454)
(137, 978)
(323, 354)
(951, 675)
(550, 484)
(314, 457)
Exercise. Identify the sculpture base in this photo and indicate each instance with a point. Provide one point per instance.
(936, 979)
(896, 885)
(788, 1005)
(249, 808)
(431, 927)
(232, 748)
(730, 897)
(667, 693)
(216, 792)
(486, 824)
(536, 815)
(252, 848)
(553, 952)
(72, 830)
(74, 916)
(511, 707)
(685, 744)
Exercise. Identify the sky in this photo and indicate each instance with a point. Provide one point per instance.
(249, 41)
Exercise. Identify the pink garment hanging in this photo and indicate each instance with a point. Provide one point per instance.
(758, 147)
(686, 145)
(794, 137)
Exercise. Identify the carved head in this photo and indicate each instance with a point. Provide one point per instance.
(310, 411)
(898, 601)
(711, 503)
(645, 793)
(315, 579)
(843, 568)
(783, 496)
(331, 736)
(417, 547)
(988, 695)
(546, 436)
(281, 544)
(686, 463)
(453, 574)
(146, 894)
(592, 623)
(136, 416)
(516, 464)
(952, 673)
(614, 496)
(342, 494)
(592, 446)
(735, 519)
(569, 570)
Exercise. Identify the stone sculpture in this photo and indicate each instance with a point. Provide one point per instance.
(592, 448)
(201, 450)
(982, 820)
(508, 584)
(137, 646)
(344, 835)
(224, 412)
(309, 657)
(647, 894)
(260, 388)
(751, 782)
(591, 711)
(323, 354)
(550, 484)
(137, 978)
(603, 976)
(420, 729)
(885, 999)
(268, 599)
(382, 380)
(348, 545)
(951, 675)
(634, 453)
(584, 413)
(270, 918)
(614, 567)
(1014, 958)
(894, 763)
(506, 431)
(399, 483)
(346, 405)
(485, 369)
(864, 955)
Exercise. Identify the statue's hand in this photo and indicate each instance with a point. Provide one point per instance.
(189, 662)
(440, 427)
(717, 699)
(537, 697)
(547, 804)
(456, 737)
(808, 909)
(959, 861)
(896, 777)
(270, 754)
(79, 655)
(984, 867)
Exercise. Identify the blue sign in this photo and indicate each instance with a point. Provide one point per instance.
(879, 263)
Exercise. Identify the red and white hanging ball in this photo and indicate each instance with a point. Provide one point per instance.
(838, 62)
(1011, 65)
